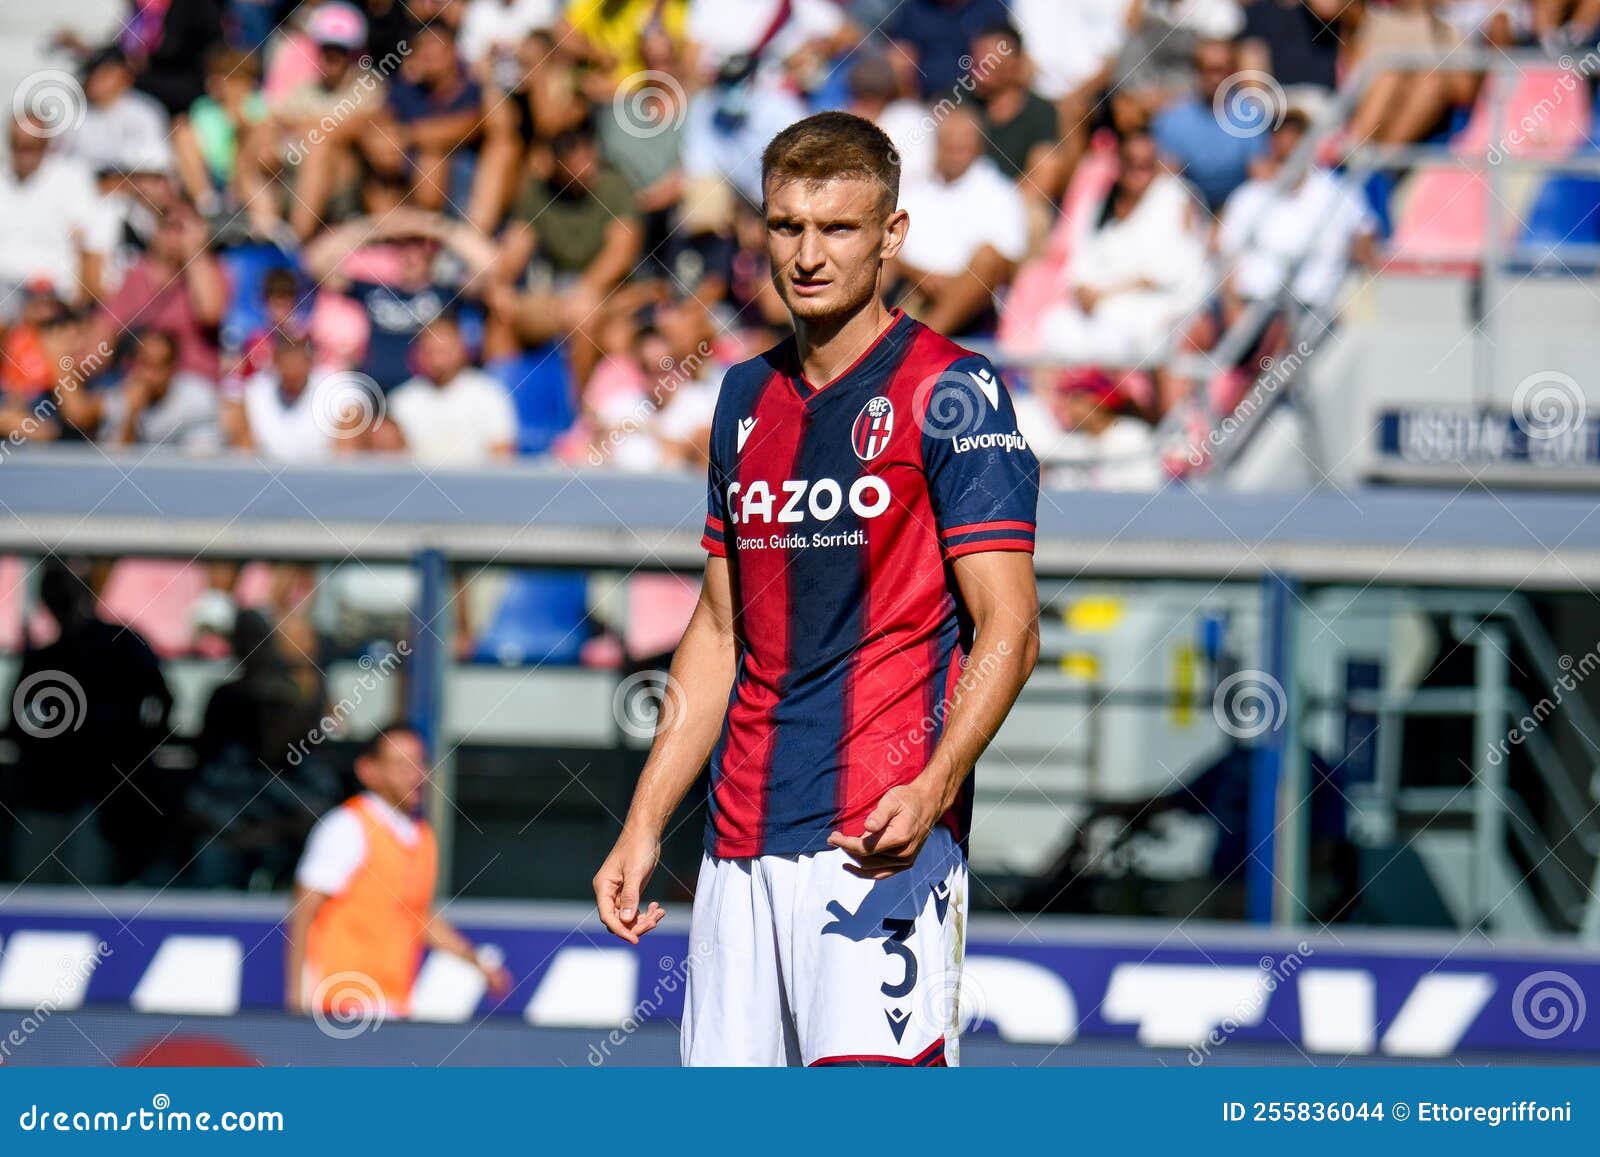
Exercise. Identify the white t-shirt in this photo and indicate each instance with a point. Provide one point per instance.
(130, 133)
(486, 23)
(1069, 40)
(1264, 233)
(951, 221)
(910, 126)
(337, 846)
(457, 424)
(39, 217)
(724, 28)
(293, 432)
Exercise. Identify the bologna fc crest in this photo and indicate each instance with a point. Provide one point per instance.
(870, 435)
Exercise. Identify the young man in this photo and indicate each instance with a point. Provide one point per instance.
(363, 911)
(867, 618)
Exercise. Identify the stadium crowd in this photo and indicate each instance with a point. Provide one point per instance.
(473, 229)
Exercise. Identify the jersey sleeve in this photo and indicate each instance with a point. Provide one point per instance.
(983, 478)
(714, 537)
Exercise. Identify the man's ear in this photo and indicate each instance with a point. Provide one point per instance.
(894, 234)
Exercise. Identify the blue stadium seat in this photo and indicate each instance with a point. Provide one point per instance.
(246, 268)
(541, 387)
(540, 620)
(1566, 212)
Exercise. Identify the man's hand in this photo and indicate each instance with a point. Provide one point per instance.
(621, 879)
(895, 832)
(496, 977)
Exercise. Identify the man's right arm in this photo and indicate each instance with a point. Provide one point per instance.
(302, 911)
(690, 722)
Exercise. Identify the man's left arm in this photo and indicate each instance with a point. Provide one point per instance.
(444, 936)
(998, 589)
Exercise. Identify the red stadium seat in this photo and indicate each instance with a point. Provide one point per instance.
(154, 597)
(659, 606)
(1547, 114)
(1442, 225)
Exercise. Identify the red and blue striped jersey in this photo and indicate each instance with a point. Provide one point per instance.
(839, 509)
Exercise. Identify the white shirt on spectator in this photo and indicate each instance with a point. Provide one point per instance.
(294, 431)
(130, 133)
(1264, 233)
(911, 127)
(460, 423)
(1069, 40)
(486, 23)
(951, 221)
(337, 845)
(724, 28)
(185, 417)
(1121, 457)
(39, 218)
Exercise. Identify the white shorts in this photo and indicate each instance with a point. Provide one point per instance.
(794, 961)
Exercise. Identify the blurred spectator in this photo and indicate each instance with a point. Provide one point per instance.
(157, 403)
(287, 412)
(1404, 106)
(969, 228)
(281, 301)
(796, 38)
(178, 287)
(1133, 273)
(1208, 148)
(86, 713)
(1299, 239)
(53, 225)
(121, 127)
(873, 91)
(1087, 436)
(934, 38)
(363, 898)
(318, 120)
(730, 123)
(208, 138)
(167, 42)
(400, 306)
(1021, 130)
(573, 239)
(605, 35)
(641, 136)
(450, 413)
(493, 32)
(1297, 43)
(257, 794)
(457, 148)
(1156, 64)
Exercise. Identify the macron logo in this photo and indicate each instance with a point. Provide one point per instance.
(990, 387)
(745, 426)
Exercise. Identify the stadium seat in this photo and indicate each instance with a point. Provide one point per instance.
(659, 606)
(541, 387)
(154, 597)
(246, 267)
(1545, 106)
(1443, 221)
(1566, 212)
(541, 619)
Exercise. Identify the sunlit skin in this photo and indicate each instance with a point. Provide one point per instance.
(828, 242)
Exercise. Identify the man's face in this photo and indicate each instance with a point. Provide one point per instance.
(1213, 64)
(153, 363)
(395, 772)
(958, 145)
(441, 354)
(432, 60)
(1139, 166)
(578, 161)
(27, 151)
(827, 240)
(293, 361)
(994, 64)
(333, 62)
(106, 83)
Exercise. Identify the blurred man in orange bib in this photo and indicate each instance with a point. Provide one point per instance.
(363, 899)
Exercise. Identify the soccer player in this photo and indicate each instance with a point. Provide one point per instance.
(867, 618)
